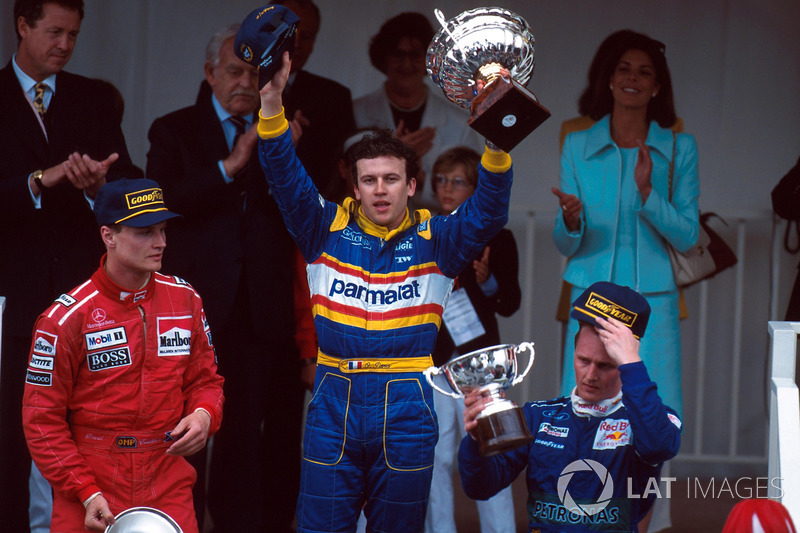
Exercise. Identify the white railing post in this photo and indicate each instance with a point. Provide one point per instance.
(784, 418)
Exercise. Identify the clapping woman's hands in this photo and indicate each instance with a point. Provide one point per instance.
(644, 167)
(571, 207)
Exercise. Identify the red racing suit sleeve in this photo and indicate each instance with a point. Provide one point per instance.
(46, 404)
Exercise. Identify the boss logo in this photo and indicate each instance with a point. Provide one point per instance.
(108, 359)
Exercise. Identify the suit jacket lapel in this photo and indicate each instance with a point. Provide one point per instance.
(21, 114)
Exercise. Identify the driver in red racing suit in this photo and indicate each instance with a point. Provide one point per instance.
(122, 378)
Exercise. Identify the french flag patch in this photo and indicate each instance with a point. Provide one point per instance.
(354, 365)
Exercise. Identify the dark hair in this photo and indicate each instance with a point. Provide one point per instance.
(32, 11)
(304, 3)
(381, 142)
(409, 24)
(458, 155)
(662, 107)
(605, 49)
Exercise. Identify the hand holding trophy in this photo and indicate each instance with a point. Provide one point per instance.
(501, 424)
(476, 45)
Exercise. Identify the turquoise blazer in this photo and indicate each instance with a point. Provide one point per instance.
(591, 169)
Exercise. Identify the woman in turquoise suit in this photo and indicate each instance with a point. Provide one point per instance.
(616, 215)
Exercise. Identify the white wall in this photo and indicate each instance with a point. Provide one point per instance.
(736, 72)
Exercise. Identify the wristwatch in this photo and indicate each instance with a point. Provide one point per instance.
(37, 179)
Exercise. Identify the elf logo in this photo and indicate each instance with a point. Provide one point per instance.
(105, 338)
(174, 336)
(45, 343)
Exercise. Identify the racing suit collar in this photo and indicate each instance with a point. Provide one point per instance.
(599, 409)
(369, 227)
(113, 291)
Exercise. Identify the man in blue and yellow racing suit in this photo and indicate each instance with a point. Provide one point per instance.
(379, 278)
(596, 457)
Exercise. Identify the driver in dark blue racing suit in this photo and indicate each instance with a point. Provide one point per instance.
(595, 460)
(379, 278)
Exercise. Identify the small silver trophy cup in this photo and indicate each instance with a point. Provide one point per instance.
(501, 424)
(475, 46)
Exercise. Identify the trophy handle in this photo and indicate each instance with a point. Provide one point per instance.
(520, 348)
(435, 371)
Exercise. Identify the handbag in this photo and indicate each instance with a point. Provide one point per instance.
(709, 256)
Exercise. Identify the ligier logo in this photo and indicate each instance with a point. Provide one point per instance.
(605, 495)
(174, 335)
(45, 343)
(105, 338)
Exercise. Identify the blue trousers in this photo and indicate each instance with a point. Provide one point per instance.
(369, 442)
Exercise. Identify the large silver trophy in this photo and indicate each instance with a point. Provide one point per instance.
(475, 46)
(501, 424)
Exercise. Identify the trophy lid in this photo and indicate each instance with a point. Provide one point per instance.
(474, 39)
(143, 520)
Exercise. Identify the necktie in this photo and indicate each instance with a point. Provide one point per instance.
(239, 178)
(241, 125)
(38, 99)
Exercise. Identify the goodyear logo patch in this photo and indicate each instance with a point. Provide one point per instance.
(41, 362)
(145, 198)
(42, 379)
(607, 308)
(108, 359)
(44, 343)
(126, 442)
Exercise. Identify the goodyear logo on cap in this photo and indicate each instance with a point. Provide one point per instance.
(126, 442)
(606, 307)
(147, 197)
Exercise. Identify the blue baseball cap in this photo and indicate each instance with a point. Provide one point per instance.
(262, 38)
(612, 301)
(137, 203)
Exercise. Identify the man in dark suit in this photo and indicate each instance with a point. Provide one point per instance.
(233, 247)
(61, 141)
(323, 107)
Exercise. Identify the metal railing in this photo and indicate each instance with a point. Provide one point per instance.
(784, 417)
(750, 291)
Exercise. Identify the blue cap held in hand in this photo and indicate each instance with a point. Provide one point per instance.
(262, 38)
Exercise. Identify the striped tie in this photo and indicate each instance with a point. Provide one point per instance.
(38, 100)
(241, 125)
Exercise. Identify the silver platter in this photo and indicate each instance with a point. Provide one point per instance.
(143, 520)
(476, 38)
